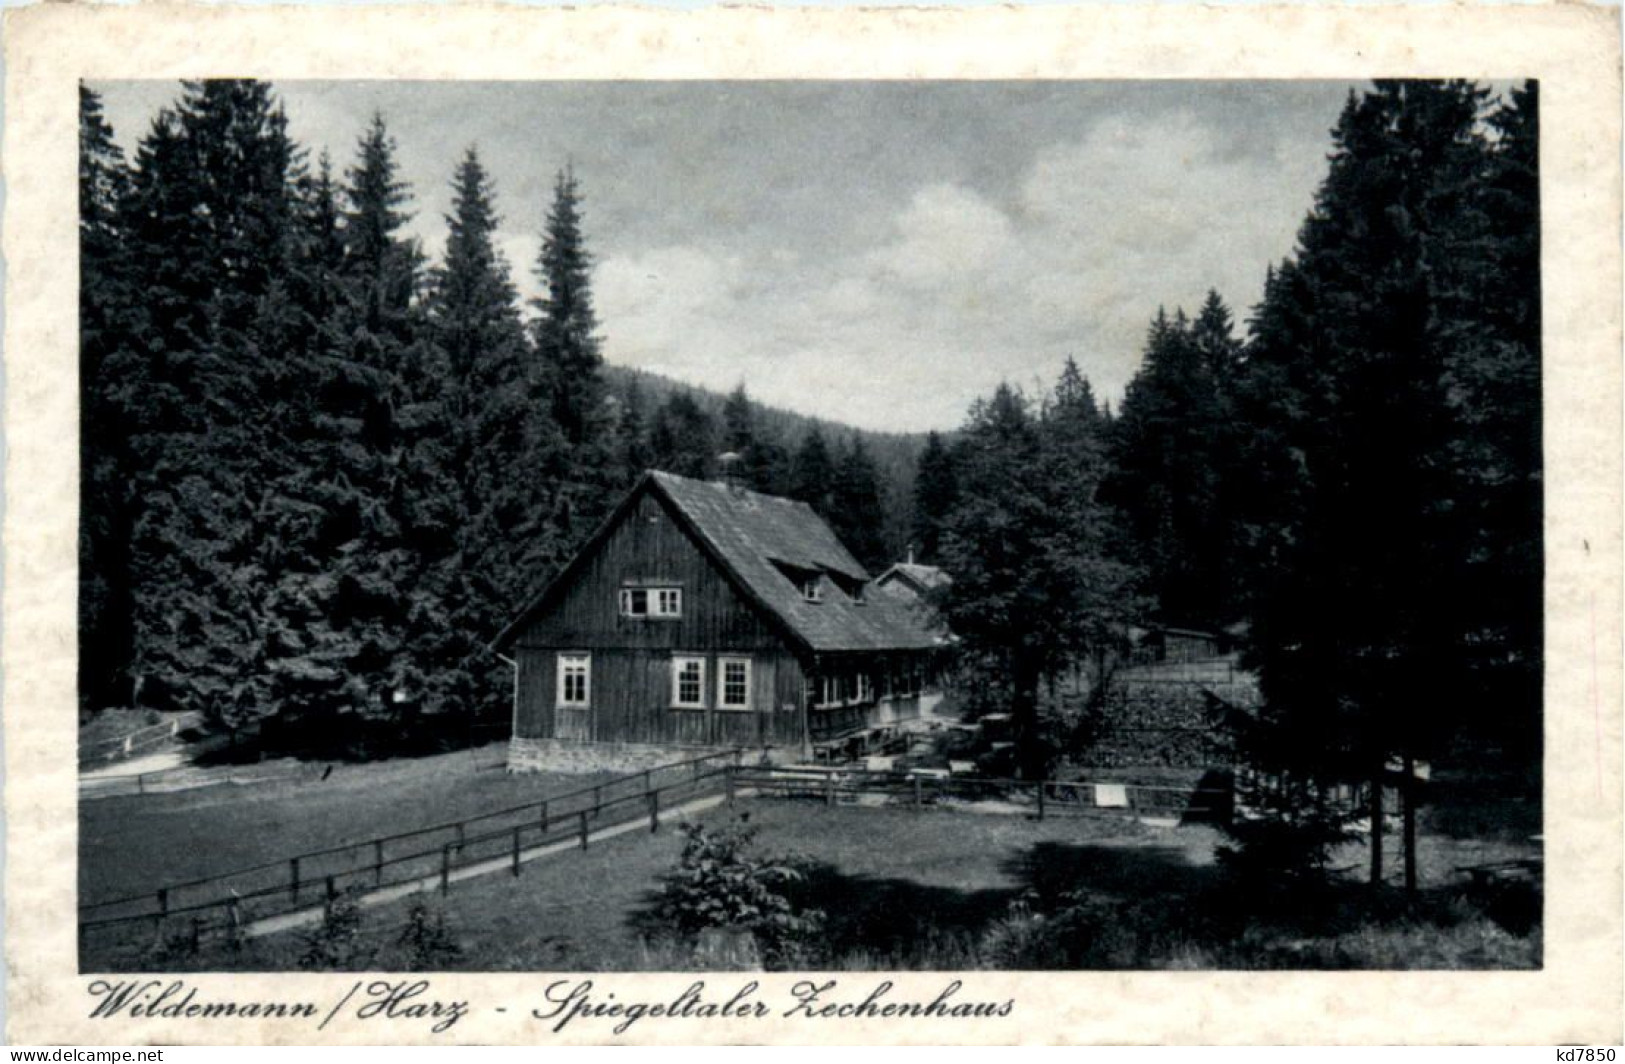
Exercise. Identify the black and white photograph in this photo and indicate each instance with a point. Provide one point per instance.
(850, 526)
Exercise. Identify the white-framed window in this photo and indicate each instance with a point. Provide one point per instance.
(865, 691)
(688, 681)
(811, 591)
(574, 681)
(733, 683)
(651, 602)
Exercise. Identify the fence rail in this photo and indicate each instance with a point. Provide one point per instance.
(229, 900)
(190, 777)
(105, 750)
(1046, 798)
(442, 853)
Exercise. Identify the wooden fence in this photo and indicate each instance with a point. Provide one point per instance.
(102, 751)
(1049, 798)
(227, 902)
(191, 777)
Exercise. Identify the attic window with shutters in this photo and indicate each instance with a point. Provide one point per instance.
(651, 602)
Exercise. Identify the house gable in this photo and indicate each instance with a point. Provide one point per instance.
(644, 548)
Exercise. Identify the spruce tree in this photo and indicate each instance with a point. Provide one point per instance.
(858, 511)
(108, 379)
(345, 652)
(1171, 447)
(212, 235)
(762, 462)
(484, 430)
(1352, 362)
(936, 491)
(632, 434)
(812, 473)
(684, 438)
(567, 327)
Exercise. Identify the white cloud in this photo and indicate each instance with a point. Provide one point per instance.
(946, 233)
(907, 325)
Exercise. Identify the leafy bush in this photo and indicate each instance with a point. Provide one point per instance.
(721, 882)
(335, 943)
(426, 940)
(1082, 931)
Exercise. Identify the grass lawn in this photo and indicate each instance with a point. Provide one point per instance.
(129, 845)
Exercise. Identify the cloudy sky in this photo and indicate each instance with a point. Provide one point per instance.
(880, 253)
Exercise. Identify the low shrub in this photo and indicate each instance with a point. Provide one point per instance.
(721, 881)
(1285, 839)
(336, 942)
(425, 941)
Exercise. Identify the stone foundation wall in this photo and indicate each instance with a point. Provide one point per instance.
(576, 756)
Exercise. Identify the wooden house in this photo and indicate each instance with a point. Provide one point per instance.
(705, 616)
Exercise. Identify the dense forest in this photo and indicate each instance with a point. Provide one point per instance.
(301, 442)
(320, 471)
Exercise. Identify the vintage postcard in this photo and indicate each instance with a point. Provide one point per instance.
(1067, 525)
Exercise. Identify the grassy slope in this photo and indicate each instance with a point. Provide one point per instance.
(128, 845)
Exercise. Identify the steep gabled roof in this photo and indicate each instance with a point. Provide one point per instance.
(764, 543)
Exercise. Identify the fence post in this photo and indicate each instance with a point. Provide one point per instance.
(445, 868)
(516, 850)
(163, 901)
(583, 829)
(597, 799)
(544, 819)
(648, 784)
(378, 862)
(654, 812)
(332, 889)
(829, 789)
(728, 784)
(293, 878)
(1041, 789)
(460, 835)
(141, 783)
(919, 787)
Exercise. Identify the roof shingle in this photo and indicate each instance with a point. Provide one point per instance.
(756, 534)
